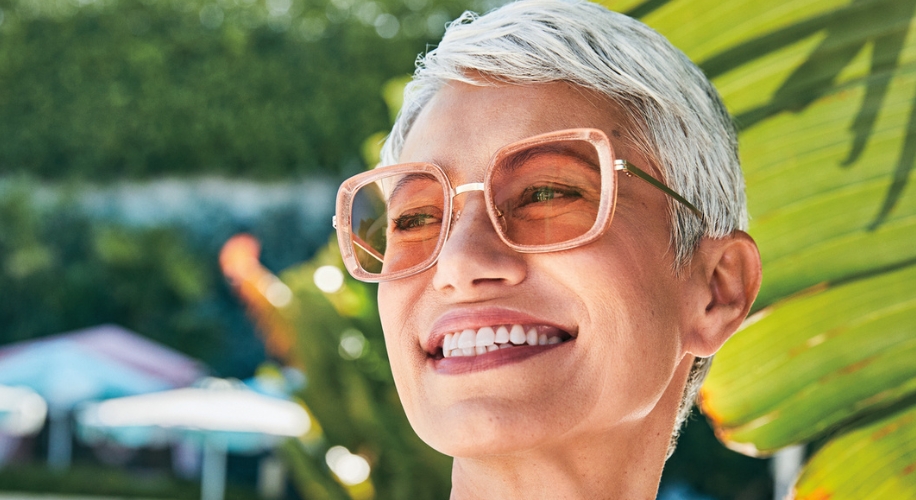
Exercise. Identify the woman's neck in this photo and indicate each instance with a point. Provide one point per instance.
(622, 462)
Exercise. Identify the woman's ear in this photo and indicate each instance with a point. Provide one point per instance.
(725, 277)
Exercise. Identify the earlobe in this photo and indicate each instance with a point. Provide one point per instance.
(727, 272)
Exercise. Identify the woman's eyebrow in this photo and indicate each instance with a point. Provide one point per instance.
(408, 179)
(517, 160)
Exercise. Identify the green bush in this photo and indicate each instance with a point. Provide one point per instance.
(260, 89)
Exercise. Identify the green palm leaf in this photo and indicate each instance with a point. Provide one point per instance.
(881, 453)
(823, 93)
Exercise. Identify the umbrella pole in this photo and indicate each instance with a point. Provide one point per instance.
(213, 476)
(59, 439)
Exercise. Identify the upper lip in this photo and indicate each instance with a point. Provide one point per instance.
(478, 317)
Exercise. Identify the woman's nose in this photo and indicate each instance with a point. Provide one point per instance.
(474, 256)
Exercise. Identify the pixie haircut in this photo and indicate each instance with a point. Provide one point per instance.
(680, 121)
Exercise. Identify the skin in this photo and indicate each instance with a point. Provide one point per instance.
(592, 417)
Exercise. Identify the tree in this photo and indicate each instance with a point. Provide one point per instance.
(261, 89)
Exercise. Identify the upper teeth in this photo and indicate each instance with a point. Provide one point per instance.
(470, 342)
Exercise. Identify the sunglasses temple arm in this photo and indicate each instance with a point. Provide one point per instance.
(633, 169)
(367, 248)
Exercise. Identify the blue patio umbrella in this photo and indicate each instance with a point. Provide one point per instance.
(92, 364)
(65, 374)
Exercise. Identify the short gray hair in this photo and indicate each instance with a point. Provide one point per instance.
(682, 123)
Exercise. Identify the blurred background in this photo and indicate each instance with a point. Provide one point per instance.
(167, 176)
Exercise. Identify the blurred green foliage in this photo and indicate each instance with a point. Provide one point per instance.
(701, 463)
(60, 270)
(64, 267)
(257, 88)
(351, 391)
(95, 480)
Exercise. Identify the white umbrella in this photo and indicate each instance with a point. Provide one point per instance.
(223, 414)
(22, 411)
(95, 363)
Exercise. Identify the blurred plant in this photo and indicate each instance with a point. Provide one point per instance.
(261, 292)
(339, 344)
(60, 271)
(824, 95)
(393, 94)
(82, 481)
(262, 88)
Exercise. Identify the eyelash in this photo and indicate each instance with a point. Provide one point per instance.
(403, 222)
(531, 192)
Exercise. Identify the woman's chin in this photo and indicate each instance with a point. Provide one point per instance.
(487, 436)
(475, 448)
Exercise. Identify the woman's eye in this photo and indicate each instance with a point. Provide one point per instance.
(541, 194)
(412, 221)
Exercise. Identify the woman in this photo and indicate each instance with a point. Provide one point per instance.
(552, 353)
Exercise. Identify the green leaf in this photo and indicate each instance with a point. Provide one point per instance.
(811, 215)
(823, 93)
(806, 365)
(883, 454)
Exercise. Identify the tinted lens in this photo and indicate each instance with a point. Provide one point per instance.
(397, 222)
(547, 193)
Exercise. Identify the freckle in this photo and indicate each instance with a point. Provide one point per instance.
(615, 133)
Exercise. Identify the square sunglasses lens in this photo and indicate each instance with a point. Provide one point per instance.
(547, 193)
(396, 222)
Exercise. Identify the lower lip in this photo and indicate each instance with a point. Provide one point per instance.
(458, 365)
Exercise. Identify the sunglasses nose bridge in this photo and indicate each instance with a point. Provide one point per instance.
(457, 212)
(476, 211)
(464, 188)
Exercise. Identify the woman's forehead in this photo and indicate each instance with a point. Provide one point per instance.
(464, 125)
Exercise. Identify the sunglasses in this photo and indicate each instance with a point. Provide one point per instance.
(547, 193)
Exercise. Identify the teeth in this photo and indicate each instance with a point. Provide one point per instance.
(532, 337)
(502, 335)
(466, 340)
(517, 335)
(485, 337)
(469, 342)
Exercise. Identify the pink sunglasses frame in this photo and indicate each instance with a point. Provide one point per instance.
(608, 167)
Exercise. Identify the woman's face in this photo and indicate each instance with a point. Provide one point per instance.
(616, 299)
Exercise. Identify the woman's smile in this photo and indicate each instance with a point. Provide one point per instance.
(476, 339)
